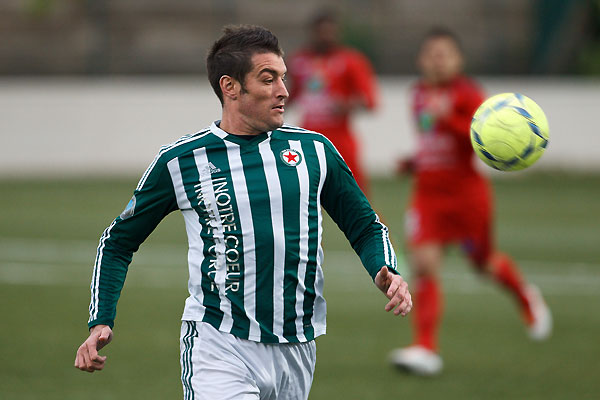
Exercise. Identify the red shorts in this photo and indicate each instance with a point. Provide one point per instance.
(465, 221)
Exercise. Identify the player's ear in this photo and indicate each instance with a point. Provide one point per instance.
(230, 87)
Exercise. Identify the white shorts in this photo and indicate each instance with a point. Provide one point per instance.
(218, 366)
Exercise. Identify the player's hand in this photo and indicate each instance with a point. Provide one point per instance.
(439, 106)
(396, 289)
(87, 358)
(343, 106)
(405, 166)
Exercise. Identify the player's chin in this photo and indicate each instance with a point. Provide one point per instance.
(275, 122)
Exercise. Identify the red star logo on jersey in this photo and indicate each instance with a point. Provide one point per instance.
(291, 157)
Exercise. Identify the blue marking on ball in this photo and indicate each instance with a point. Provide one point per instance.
(488, 155)
(500, 104)
(523, 112)
(536, 130)
(476, 137)
(519, 97)
(527, 152)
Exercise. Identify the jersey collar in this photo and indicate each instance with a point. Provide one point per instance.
(214, 128)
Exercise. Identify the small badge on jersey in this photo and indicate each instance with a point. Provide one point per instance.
(129, 210)
(291, 157)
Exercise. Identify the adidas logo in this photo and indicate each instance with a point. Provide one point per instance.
(210, 169)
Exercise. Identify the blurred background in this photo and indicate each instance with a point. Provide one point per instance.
(90, 89)
(97, 73)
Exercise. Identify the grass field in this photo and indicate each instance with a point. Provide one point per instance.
(550, 223)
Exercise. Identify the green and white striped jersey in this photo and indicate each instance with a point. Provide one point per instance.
(252, 209)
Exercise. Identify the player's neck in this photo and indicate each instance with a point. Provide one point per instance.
(439, 82)
(323, 49)
(236, 126)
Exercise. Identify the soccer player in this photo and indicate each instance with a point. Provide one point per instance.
(250, 190)
(451, 202)
(329, 82)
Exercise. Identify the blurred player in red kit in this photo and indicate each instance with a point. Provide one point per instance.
(451, 203)
(329, 82)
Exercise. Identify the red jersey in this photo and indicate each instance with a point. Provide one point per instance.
(320, 81)
(444, 161)
(451, 201)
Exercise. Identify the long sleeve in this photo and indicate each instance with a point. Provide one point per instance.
(349, 208)
(458, 121)
(362, 79)
(153, 199)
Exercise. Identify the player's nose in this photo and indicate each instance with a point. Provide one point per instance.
(281, 90)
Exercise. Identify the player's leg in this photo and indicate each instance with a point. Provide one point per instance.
(210, 367)
(426, 256)
(504, 271)
(426, 261)
(293, 368)
(219, 366)
(422, 357)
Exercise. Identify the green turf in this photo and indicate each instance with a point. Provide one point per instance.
(550, 223)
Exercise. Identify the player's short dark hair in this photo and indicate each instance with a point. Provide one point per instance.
(438, 32)
(232, 53)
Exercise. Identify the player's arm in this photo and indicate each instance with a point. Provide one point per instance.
(360, 79)
(349, 208)
(458, 119)
(363, 81)
(153, 199)
(407, 164)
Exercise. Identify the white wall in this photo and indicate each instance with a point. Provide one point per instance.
(116, 125)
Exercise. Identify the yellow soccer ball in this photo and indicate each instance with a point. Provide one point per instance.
(509, 132)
